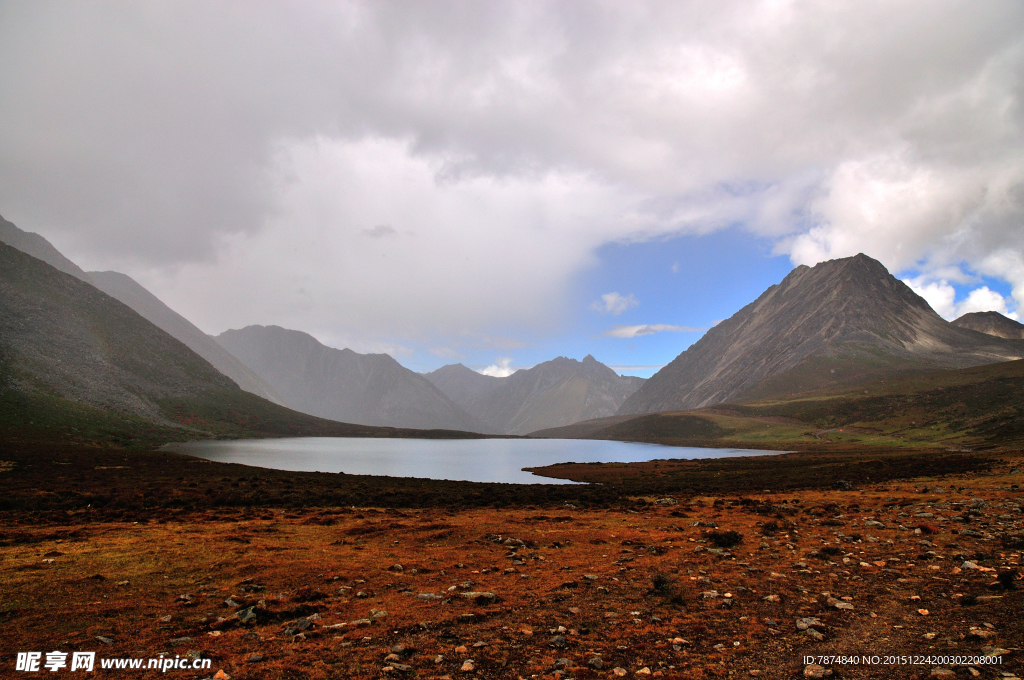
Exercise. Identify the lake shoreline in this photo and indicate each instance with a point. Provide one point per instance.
(486, 461)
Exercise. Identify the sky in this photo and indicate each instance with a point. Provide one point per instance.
(502, 183)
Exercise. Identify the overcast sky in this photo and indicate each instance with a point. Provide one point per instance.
(503, 182)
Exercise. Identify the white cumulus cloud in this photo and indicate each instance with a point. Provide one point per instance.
(500, 369)
(614, 303)
(941, 296)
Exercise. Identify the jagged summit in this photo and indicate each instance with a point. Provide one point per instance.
(557, 392)
(834, 323)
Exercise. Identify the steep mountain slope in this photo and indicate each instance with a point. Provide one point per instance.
(991, 323)
(840, 322)
(370, 389)
(128, 291)
(62, 336)
(124, 288)
(554, 393)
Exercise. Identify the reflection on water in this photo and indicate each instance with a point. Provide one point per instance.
(475, 460)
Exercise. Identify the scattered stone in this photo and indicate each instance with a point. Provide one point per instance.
(815, 671)
(468, 666)
(221, 675)
(104, 640)
(177, 642)
(805, 623)
(255, 658)
(838, 604)
(396, 567)
(558, 641)
(596, 663)
(939, 672)
(621, 672)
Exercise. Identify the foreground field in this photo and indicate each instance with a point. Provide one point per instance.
(645, 587)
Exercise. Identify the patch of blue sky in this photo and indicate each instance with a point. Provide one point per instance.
(686, 282)
(690, 282)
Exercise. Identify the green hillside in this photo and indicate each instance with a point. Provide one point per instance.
(978, 407)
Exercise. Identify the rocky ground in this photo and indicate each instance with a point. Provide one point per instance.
(682, 587)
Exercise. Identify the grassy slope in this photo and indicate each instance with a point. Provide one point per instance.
(975, 407)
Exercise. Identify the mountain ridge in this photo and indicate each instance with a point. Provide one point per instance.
(124, 288)
(340, 384)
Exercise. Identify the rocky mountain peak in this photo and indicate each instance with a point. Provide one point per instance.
(838, 320)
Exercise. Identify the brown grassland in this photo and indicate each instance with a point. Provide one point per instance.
(292, 575)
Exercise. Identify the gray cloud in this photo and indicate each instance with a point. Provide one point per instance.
(231, 155)
(380, 231)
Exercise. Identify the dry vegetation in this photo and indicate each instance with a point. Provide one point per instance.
(708, 586)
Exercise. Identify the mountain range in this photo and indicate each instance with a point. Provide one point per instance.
(293, 369)
(368, 389)
(553, 393)
(840, 322)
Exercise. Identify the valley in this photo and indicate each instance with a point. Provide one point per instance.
(891, 524)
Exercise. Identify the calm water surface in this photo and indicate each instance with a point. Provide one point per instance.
(474, 460)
